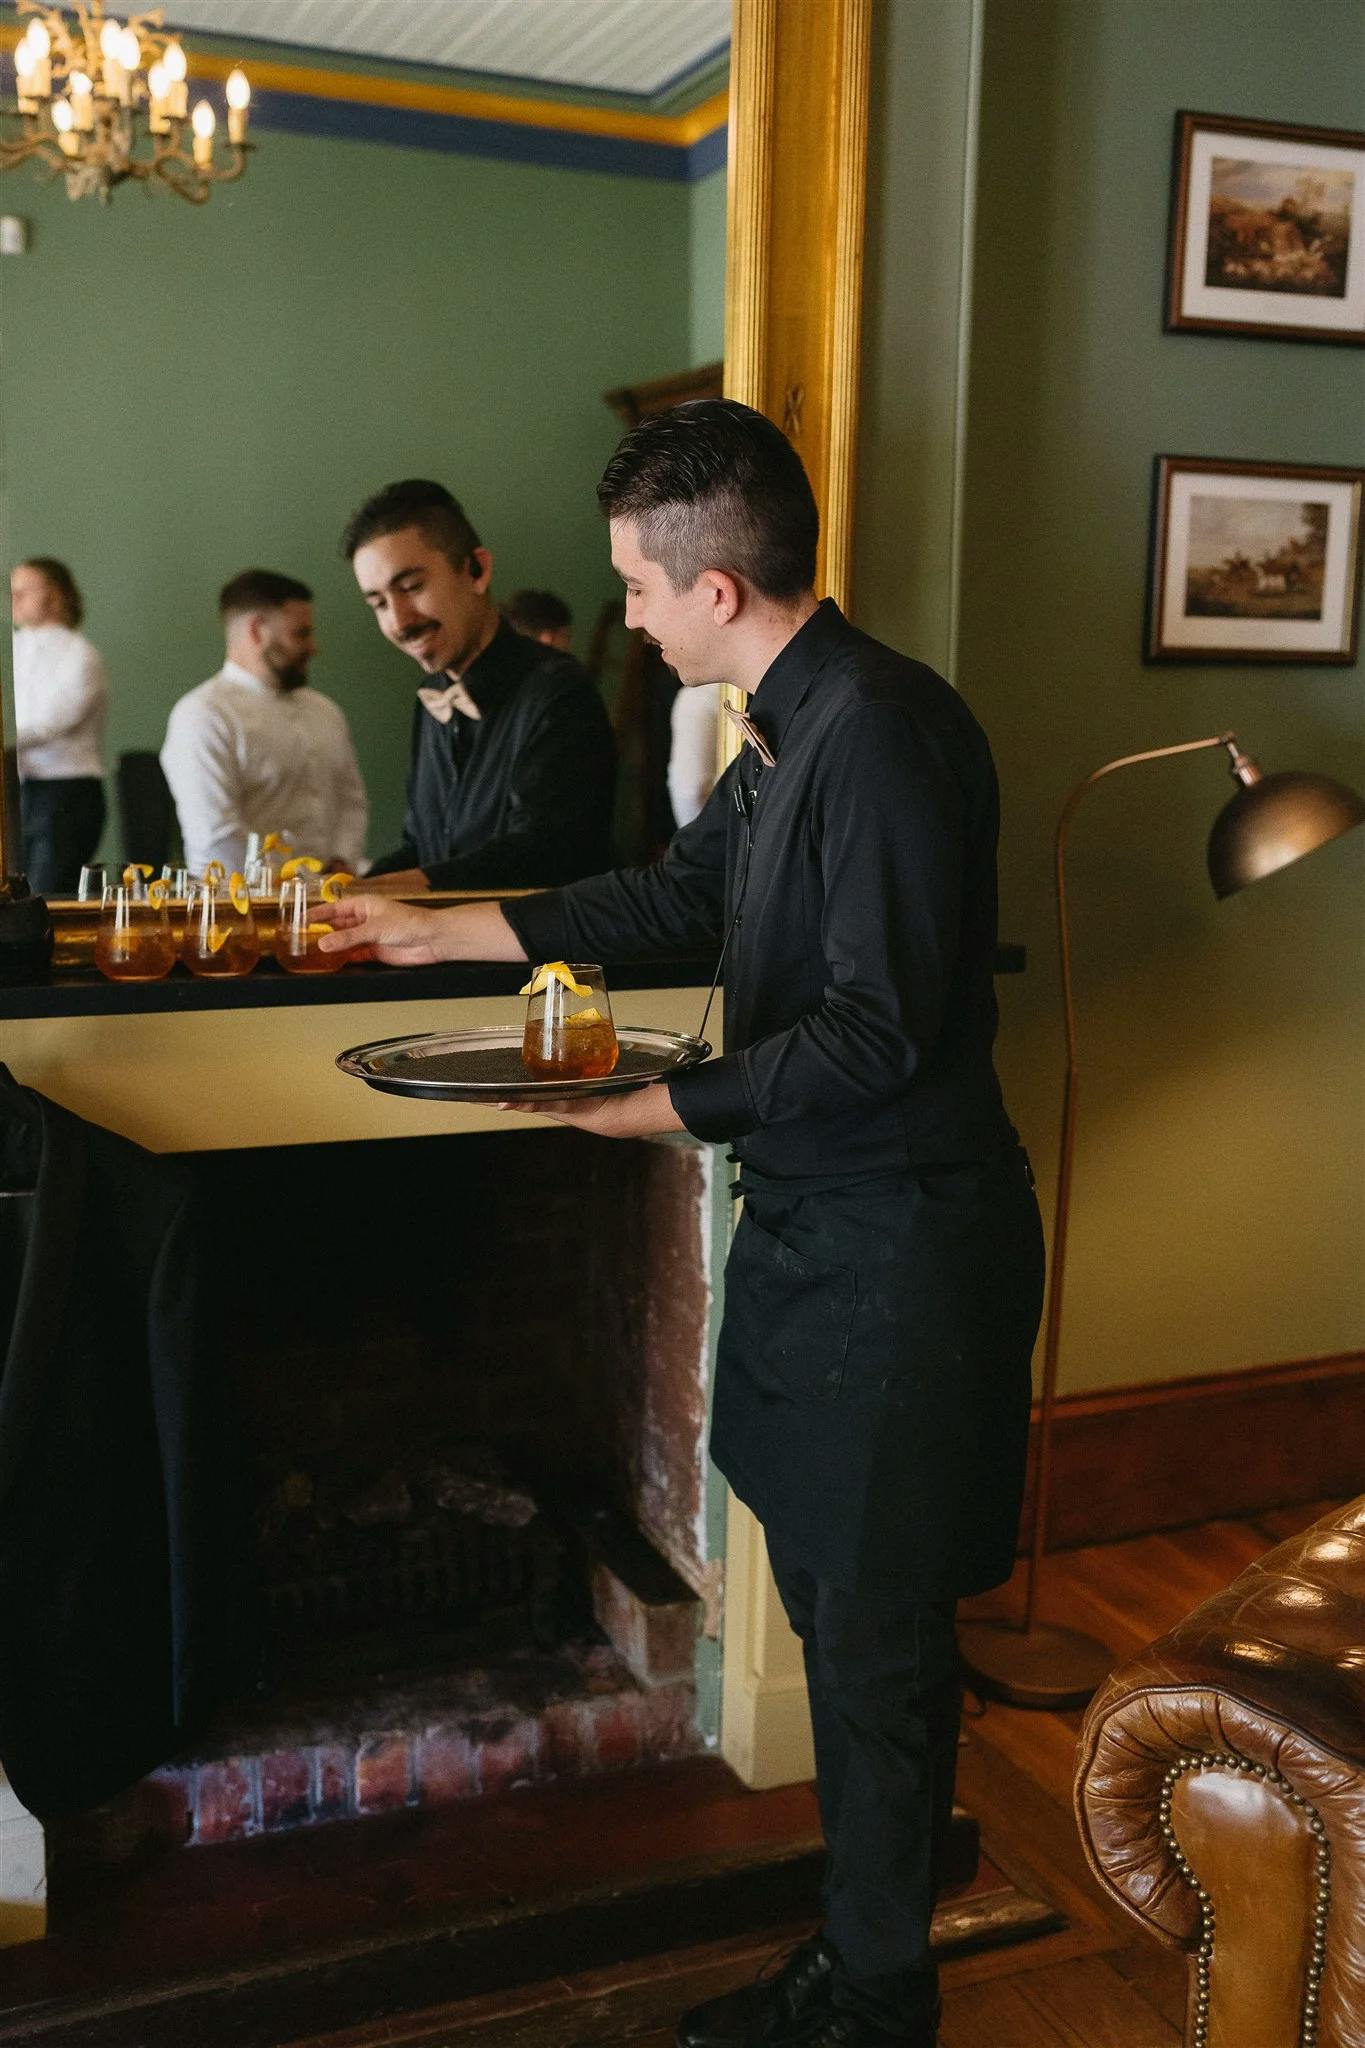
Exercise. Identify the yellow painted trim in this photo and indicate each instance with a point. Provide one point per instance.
(679, 130)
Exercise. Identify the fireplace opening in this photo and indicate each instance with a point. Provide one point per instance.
(471, 1373)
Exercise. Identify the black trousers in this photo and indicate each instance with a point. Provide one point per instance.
(62, 823)
(885, 1703)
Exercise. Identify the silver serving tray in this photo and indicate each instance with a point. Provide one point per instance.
(485, 1065)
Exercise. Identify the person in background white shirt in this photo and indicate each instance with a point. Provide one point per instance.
(692, 769)
(254, 749)
(60, 693)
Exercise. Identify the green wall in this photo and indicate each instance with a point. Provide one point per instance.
(185, 391)
(706, 268)
(1219, 1203)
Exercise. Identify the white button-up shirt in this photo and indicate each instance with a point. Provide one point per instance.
(692, 760)
(60, 691)
(242, 757)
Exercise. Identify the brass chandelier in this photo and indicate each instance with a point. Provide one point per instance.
(100, 101)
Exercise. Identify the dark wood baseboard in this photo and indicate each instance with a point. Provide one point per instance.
(1134, 1459)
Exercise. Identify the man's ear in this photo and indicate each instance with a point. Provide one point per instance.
(725, 596)
(480, 568)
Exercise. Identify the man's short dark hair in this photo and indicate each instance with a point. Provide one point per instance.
(414, 502)
(60, 579)
(536, 611)
(714, 485)
(260, 590)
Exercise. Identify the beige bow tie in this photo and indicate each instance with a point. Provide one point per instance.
(443, 704)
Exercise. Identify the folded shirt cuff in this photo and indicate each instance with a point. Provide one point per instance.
(713, 1100)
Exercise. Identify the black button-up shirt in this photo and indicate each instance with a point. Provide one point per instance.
(859, 1006)
(521, 795)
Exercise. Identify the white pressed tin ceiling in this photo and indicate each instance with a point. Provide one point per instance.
(618, 46)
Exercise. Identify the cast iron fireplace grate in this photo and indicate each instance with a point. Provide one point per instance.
(449, 1544)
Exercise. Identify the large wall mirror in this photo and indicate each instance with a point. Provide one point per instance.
(459, 231)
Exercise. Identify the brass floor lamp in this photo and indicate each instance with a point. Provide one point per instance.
(1269, 821)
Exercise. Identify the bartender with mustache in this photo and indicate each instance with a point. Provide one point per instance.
(512, 767)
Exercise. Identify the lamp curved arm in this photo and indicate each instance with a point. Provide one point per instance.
(1057, 1274)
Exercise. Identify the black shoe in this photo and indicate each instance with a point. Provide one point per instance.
(789, 1997)
(836, 2029)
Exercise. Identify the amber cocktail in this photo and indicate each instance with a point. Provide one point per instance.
(569, 1034)
(302, 924)
(221, 939)
(134, 941)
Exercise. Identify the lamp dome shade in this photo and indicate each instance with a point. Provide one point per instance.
(1276, 820)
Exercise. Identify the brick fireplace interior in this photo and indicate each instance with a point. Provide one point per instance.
(472, 1380)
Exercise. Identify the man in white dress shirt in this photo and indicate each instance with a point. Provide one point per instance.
(254, 749)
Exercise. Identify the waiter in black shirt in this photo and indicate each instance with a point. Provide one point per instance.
(883, 1290)
(512, 765)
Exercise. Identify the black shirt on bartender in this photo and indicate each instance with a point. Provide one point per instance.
(520, 796)
(859, 1005)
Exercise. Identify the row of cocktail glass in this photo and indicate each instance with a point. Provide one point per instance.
(218, 925)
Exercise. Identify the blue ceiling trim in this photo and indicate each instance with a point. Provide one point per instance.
(511, 142)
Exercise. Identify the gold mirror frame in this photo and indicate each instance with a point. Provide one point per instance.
(800, 81)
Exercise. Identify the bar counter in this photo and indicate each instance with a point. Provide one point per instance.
(186, 1065)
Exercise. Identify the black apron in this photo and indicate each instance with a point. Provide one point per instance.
(873, 1378)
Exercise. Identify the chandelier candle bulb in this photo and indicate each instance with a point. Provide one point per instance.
(64, 121)
(82, 101)
(238, 99)
(25, 71)
(203, 121)
(38, 82)
(158, 100)
(115, 77)
(177, 69)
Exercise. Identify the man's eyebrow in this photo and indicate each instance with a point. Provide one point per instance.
(396, 577)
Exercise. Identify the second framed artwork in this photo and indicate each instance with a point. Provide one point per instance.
(1267, 230)
(1254, 561)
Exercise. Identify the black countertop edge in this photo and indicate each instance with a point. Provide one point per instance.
(86, 993)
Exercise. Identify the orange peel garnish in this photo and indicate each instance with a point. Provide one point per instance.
(584, 1017)
(301, 863)
(216, 936)
(334, 884)
(273, 842)
(240, 895)
(554, 970)
(215, 872)
(157, 892)
(315, 931)
(133, 870)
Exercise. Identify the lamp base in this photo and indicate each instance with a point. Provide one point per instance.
(1038, 1667)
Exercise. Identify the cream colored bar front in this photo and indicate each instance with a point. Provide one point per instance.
(206, 1080)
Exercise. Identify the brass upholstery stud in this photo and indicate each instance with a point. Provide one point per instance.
(1219, 1760)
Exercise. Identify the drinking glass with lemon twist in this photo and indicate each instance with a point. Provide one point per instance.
(221, 939)
(569, 1034)
(304, 892)
(134, 941)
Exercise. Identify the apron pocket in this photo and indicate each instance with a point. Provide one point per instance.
(788, 1318)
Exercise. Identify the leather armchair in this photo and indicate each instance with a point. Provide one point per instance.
(1220, 1792)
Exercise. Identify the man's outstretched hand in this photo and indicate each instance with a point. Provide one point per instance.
(377, 928)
